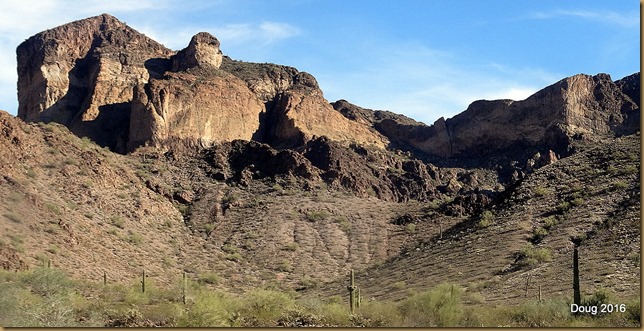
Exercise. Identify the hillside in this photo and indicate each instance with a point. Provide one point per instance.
(127, 157)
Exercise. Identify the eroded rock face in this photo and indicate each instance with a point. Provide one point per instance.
(82, 75)
(296, 109)
(193, 109)
(301, 116)
(577, 107)
(203, 51)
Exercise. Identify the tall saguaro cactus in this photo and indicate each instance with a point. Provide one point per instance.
(352, 293)
(575, 277)
(143, 282)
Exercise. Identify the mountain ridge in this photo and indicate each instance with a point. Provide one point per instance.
(157, 102)
(126, 157)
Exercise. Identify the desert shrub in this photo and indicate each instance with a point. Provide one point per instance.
(400, 285)
(316, 216)
(134, 238)
(596, 299)
(209, 309)
(549, 313)
(485, 219)
(541, 191)
(376, 314)
(538, 234)
(411, 228)
(344, 224)
(229, 249)
(117, 221)
(563, 207)
(620, 185)
(293, 246)
(578, 201)
(261, 308)
(549, 222)
(299, 318)
(308, 282)
(531, 256)
(441, 306)
(47, 281)
(284, 266)
(209, 278)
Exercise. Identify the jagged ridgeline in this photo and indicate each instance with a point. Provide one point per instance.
(127, 156)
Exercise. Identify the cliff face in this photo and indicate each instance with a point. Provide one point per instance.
(105, 80)
(578, 107)
(82, 75)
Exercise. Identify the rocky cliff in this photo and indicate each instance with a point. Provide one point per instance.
(83, 74)
(111, 83)
(105, 80)
(577, 107)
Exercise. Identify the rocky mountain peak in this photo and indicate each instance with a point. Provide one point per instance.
(203, 51)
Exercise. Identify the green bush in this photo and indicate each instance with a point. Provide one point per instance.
(531, 256)
(316, 216)
(541, 191)
(261, 308)
(210, 309)
(485, 219)
(549, 313)
(563, 207)
(538, 234)
(549, 222)
(47, 281)
(441, 306)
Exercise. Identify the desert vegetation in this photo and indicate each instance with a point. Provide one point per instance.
(47, 297)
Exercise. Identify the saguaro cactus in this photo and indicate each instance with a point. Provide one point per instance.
(183, 292)
(575, 277)
(143, 282)
(352, 295)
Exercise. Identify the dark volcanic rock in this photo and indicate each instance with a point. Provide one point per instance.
(371, 172)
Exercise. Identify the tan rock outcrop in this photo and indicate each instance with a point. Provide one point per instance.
(198, 110)
(300, 117)
(203, 51)
(578, 106)
(82, 74)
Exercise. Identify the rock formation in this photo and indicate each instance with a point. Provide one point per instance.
(105, 80)
(577, 107)
(82, 75)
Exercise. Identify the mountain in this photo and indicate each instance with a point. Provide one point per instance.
(127, 155)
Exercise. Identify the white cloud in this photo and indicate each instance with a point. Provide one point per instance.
(20, 19)
(426, 84)
(630, 19)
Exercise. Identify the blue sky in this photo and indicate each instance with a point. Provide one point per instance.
(424, 59)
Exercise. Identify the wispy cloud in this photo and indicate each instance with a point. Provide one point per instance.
(629, 19)
(427, 84)
(263, 33)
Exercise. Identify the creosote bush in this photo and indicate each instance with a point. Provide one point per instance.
(45, 297)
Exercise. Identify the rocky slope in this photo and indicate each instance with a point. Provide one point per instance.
(245, 170)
